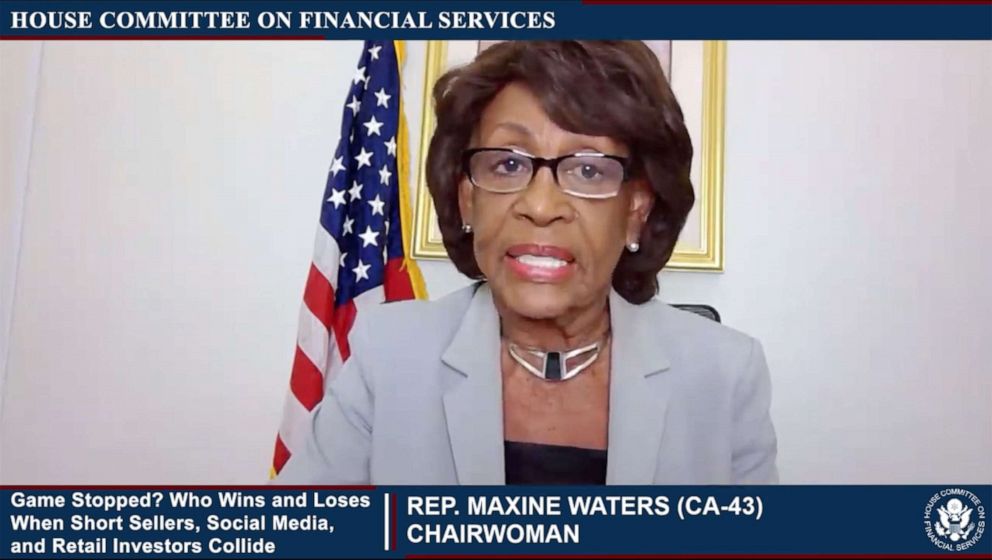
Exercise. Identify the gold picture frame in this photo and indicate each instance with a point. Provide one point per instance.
(700, 90)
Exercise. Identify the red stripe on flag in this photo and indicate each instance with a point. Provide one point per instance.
(306, 382)
(344, 318)
(396, 284)
(319, 296)
(281, 455)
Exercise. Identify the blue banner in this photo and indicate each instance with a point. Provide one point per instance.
(274, 522)
(560, 19)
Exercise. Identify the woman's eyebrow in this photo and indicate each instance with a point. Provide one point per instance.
(515, 127)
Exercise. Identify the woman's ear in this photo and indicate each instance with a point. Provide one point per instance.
(641, 202)
(465, 200)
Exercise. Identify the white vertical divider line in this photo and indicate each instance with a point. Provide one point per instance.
(385, 524)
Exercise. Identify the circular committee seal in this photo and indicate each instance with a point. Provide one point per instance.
(954, 519)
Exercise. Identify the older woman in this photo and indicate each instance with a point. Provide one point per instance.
(560, 173)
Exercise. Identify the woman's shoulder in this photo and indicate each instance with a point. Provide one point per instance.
(675, 321)
(413, 315)
(697, 341)
(404, 328)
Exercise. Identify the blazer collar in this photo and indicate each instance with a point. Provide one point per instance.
(477, 338)
(473, 404)
(636, 349)
(638, 397)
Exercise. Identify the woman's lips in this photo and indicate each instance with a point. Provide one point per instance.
(540, 263)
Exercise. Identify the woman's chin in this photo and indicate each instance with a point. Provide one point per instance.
(537, 301)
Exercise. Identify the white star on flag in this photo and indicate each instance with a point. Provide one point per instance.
(355, 191)
(391, 146)
(360, 76)
(377, 204)
(368, 238)
(337, 197)
(361, 271)
(355, 105)
(349, 226)
(373, 126)
(337, 165)
(384, 175)
(382, 98)
(363, 158)
(374, 51)
(341, 262)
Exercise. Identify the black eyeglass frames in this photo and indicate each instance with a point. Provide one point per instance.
(584, 174)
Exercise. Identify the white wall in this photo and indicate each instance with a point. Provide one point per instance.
(858, 186)
(173, 190)
(20, 64)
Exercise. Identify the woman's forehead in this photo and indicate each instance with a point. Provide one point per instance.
(516, 115)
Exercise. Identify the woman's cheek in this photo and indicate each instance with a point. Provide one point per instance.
(604, 246)
(491, 220)
(485, 251)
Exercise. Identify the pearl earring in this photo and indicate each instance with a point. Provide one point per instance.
(467, 228)
(633, 247)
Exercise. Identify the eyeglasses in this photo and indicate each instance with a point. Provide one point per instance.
(584, 175)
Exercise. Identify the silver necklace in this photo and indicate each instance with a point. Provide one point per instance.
(554, 364)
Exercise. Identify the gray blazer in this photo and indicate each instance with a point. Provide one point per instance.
(420, 400)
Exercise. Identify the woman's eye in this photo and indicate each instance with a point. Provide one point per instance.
(590, 171)
(587, 172)
(509, 166)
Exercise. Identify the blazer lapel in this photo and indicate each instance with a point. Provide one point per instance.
(473, 405)
(639, 395)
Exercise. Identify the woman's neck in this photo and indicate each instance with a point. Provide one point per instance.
(575, 328)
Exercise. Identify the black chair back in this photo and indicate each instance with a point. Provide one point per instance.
(699, 309)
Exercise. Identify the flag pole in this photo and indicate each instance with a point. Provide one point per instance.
(403, 168)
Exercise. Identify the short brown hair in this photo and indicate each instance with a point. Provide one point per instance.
(599, 88)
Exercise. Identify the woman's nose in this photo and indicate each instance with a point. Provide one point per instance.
(543, 202)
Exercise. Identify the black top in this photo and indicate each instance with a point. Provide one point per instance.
(539, 463)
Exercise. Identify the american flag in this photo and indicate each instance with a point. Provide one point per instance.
(359, 256)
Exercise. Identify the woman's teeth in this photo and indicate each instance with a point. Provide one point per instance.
(543, 262)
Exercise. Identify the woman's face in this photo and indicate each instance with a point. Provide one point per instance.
(546, 253)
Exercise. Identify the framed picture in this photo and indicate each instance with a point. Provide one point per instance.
(696, 71)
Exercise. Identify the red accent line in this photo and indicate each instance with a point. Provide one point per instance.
(392, 523)
(170, 487)
(344, 318)
(162, 38)
(786, 2)
(740, 556)
(306, 381)
(280, 456)
(396, 282)
(319, 296)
